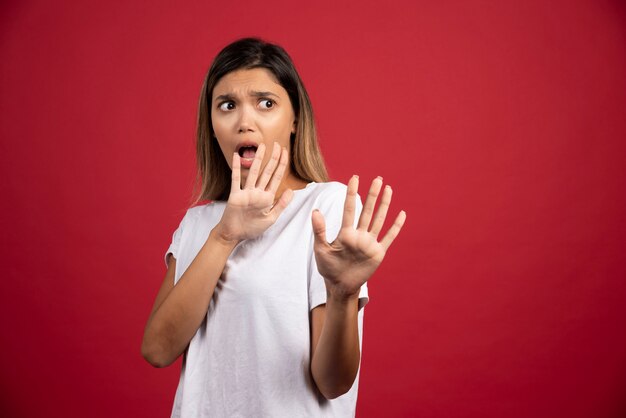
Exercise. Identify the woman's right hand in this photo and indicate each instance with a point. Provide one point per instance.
(251, 210)
(180, 309)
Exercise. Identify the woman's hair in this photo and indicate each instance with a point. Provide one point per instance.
(306, 160)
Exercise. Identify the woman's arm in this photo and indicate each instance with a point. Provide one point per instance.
(335, 346)
(346, 264)
(179, 309)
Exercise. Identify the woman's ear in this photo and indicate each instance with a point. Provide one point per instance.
(294, 126)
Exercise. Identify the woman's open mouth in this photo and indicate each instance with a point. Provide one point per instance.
(247, 154)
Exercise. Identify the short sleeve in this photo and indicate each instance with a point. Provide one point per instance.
(333, 214)
(175, 244)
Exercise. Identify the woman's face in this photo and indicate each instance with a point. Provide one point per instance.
(248, 108)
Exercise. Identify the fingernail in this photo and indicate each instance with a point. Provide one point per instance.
(355, 176)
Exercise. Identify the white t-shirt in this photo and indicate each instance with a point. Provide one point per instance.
(251, 355)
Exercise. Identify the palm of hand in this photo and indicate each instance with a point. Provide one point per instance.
(251, 210)
(349, 261)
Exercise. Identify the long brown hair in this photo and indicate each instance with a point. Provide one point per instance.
(306, 158)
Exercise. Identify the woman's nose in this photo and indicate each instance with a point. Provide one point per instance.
(246, 120)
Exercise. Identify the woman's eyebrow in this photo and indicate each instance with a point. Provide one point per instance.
(229, 97)
(263, 94)
(223, 98)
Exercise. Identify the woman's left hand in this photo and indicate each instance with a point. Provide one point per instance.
(351, 259)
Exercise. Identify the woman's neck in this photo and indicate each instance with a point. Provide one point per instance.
(292, 182)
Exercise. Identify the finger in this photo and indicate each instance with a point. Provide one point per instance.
(381, 213)
(269, 168)
(235, 180)
(394, 230)
(282, 203)
(256, 166)
(319, 227)
(277, 177)
(370, 204)
(350, 203)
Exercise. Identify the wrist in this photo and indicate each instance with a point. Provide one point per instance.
(337, 295)
(221, 237)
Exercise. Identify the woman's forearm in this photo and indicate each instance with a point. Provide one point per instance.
(176, 320)
(336, 357)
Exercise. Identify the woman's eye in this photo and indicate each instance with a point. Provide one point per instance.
(226, 106)
(267, 103)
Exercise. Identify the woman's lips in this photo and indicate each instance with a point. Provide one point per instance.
(246, 162)
(247, 154)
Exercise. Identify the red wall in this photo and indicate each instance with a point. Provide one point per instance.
(500, 125)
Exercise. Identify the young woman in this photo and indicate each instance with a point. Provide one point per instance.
(267, 312)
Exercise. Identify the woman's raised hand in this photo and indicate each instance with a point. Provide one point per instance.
(251, 210)
(349, 261)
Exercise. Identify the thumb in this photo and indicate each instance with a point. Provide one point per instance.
(319, 227)
(282, 203)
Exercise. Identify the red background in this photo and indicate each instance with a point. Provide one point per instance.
(500, 125)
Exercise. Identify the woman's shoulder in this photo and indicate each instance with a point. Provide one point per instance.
(205, 211)
(325, 196)
(327, 189)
